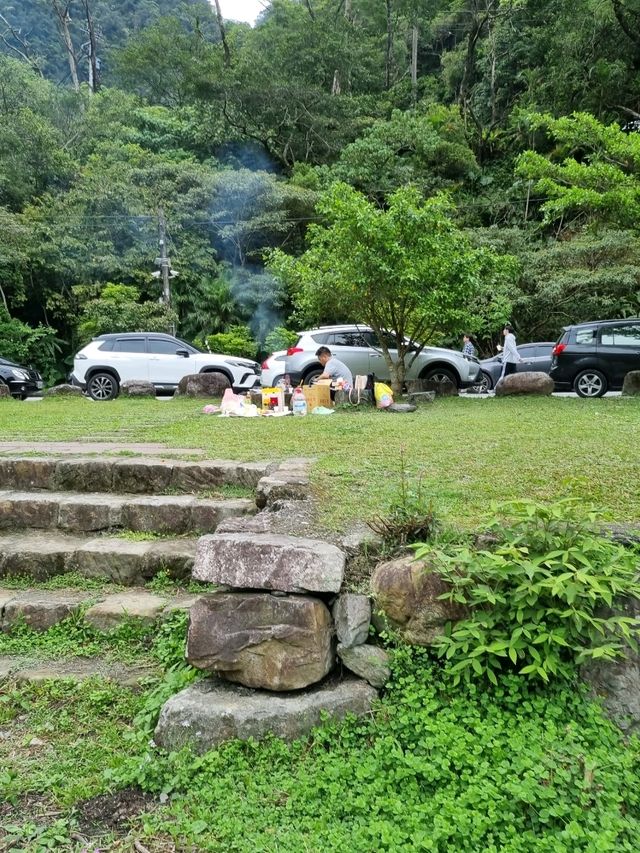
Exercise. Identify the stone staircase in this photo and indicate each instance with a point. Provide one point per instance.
(266, 639)
(108, 519)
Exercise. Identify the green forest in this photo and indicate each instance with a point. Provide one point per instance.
(519, 119)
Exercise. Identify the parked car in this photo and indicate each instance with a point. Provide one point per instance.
(535, 357)
(593, 358)
(102, 365)
(22, 382)
(273, 369)
(358, 347)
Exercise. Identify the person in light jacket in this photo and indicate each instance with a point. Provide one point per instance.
(510, 354)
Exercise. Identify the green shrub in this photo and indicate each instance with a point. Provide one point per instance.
(538, 599)
(28, 345)
(237, 340)
(280, 338)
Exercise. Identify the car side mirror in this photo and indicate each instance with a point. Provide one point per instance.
(183, 353)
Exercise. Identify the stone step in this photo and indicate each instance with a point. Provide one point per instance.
(269, 561)
(25, 669)
(42, 609)
(129, 475)
(90, 512)
(43, 555)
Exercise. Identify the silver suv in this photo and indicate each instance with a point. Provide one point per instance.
(358, 347)
(102, 365)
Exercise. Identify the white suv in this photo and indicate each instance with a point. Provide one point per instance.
(358, 347)
(101, 366)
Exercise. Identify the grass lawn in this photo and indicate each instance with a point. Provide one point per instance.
(467, 451)
(519, 768)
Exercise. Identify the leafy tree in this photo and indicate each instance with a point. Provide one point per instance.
(407, 270)
(280, 338)
(429, 151)
(118, 308)
(592, 174)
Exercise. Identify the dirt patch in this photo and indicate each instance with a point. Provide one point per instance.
(112, 812)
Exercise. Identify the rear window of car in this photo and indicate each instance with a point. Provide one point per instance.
(318, 337)
(627, 335)
(129, 345)
(106, 346)
(527, 350)
(348, 339)
(585, 336)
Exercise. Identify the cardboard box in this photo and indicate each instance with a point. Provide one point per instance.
(317, 395)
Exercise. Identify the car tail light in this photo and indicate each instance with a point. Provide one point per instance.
(558, 348)
(294, 350)
(264, 364)
(80, 355)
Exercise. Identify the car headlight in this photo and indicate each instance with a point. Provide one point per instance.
(239, 363)
(20, 374)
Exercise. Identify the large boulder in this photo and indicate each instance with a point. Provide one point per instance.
(529, 382)
(137, 388)
(269, 561)
(203, 385)
(631, 384)
(210, 712)
(406, 592)
(261, 640)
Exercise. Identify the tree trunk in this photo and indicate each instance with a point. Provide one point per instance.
(223, 33)
(94, 70)
(414, 64)
(389, 46)
(62, 14)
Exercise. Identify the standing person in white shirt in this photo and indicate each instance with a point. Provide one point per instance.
(510, 354)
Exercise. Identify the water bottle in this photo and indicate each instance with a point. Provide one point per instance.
(298, 402)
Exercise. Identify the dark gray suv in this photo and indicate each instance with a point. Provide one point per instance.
(593, 358)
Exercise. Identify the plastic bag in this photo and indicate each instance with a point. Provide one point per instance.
(383, 395)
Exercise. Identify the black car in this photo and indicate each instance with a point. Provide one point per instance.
(21, 381)
(536, 357)
(592, 358)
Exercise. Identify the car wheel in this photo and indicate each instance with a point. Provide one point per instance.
(102, 386)
(439, 374)
(311, 376)
(590, 383)
(484, 383)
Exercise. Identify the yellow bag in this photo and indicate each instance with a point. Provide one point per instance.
(383, 395)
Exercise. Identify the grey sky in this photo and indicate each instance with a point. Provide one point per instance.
(242, 10)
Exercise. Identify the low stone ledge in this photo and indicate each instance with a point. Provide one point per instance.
(211, 712)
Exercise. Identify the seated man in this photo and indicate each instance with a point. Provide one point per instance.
(333, 368)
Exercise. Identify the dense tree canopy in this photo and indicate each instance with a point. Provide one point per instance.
(525, 113)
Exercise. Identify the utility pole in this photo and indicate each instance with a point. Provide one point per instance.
(165, 273)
